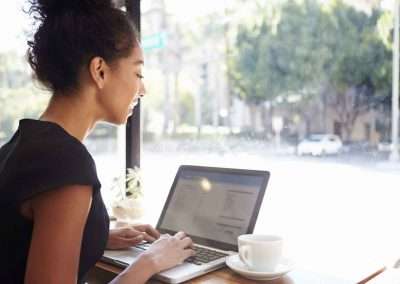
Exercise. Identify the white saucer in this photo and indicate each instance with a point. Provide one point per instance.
(239, 267)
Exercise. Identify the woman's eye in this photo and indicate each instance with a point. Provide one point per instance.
(140, 76)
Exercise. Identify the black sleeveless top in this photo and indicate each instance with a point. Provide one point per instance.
(42, 156)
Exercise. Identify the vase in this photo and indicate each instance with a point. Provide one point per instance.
(128, 210)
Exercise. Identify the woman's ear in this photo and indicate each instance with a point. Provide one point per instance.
(97, 71)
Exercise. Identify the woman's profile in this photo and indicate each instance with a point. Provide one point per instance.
(55, 225)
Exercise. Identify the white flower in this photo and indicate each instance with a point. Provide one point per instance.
(128, 186)
(134, 183)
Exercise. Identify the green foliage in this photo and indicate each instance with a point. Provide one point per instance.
(281, 58)
(314, 47)
(360, 55)
(310, 47)
(19, 97)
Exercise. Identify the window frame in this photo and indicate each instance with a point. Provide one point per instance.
(133, 129)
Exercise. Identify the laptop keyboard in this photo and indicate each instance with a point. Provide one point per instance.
(203, 255)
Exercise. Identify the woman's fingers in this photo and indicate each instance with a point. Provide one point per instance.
(137, 239)
(188, 253)
(180, 235)
(147, 237)
(187, 242)
(149, 230)
(128, 242)
(165, 236)
(131, 237)
(132, 234)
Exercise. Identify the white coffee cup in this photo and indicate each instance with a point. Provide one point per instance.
(260, 252)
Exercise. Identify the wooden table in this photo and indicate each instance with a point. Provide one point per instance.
(227, 276)
(383, 276)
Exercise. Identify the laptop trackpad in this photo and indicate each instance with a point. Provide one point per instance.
(126, 255)
(181, 270)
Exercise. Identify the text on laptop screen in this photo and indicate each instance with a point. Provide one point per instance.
(212, 205)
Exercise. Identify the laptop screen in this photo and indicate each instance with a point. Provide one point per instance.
(214, 205)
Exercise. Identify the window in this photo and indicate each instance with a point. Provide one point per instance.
(243, 83)
(19, 96)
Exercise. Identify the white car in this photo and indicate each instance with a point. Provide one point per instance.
(319, 145)
(386, 146)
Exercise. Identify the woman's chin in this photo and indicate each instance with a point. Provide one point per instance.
(123, 119)
(129, 114)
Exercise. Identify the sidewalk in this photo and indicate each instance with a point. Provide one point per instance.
(389, 165)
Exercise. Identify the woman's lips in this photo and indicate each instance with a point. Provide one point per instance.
(133, 104)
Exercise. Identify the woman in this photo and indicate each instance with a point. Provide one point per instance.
(55, 226)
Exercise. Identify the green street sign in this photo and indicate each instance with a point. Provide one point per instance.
(155, 41)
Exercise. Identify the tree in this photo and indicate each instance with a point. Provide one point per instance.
(282, 56)
(312, 48)
(360, 69)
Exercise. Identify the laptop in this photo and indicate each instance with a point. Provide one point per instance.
(211, 205)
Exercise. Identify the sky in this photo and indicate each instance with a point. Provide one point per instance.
(190, 9)
(13, 21)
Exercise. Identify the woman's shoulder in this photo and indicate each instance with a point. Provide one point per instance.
(43, 140)
(42, 156)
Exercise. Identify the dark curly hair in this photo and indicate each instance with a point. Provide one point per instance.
(71, 33)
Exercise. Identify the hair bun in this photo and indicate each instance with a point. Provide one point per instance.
(46, 8)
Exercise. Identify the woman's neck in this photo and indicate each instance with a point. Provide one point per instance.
(73, 113)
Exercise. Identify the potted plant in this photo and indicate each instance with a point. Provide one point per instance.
(127, 204)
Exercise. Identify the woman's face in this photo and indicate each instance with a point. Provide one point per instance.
(123, 87)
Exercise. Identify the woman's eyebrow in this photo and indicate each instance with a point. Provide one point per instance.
(139, 62)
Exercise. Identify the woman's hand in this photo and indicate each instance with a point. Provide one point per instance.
(131, 236)
(169, 251)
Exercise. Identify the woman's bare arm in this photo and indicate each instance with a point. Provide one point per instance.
(59, 217)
